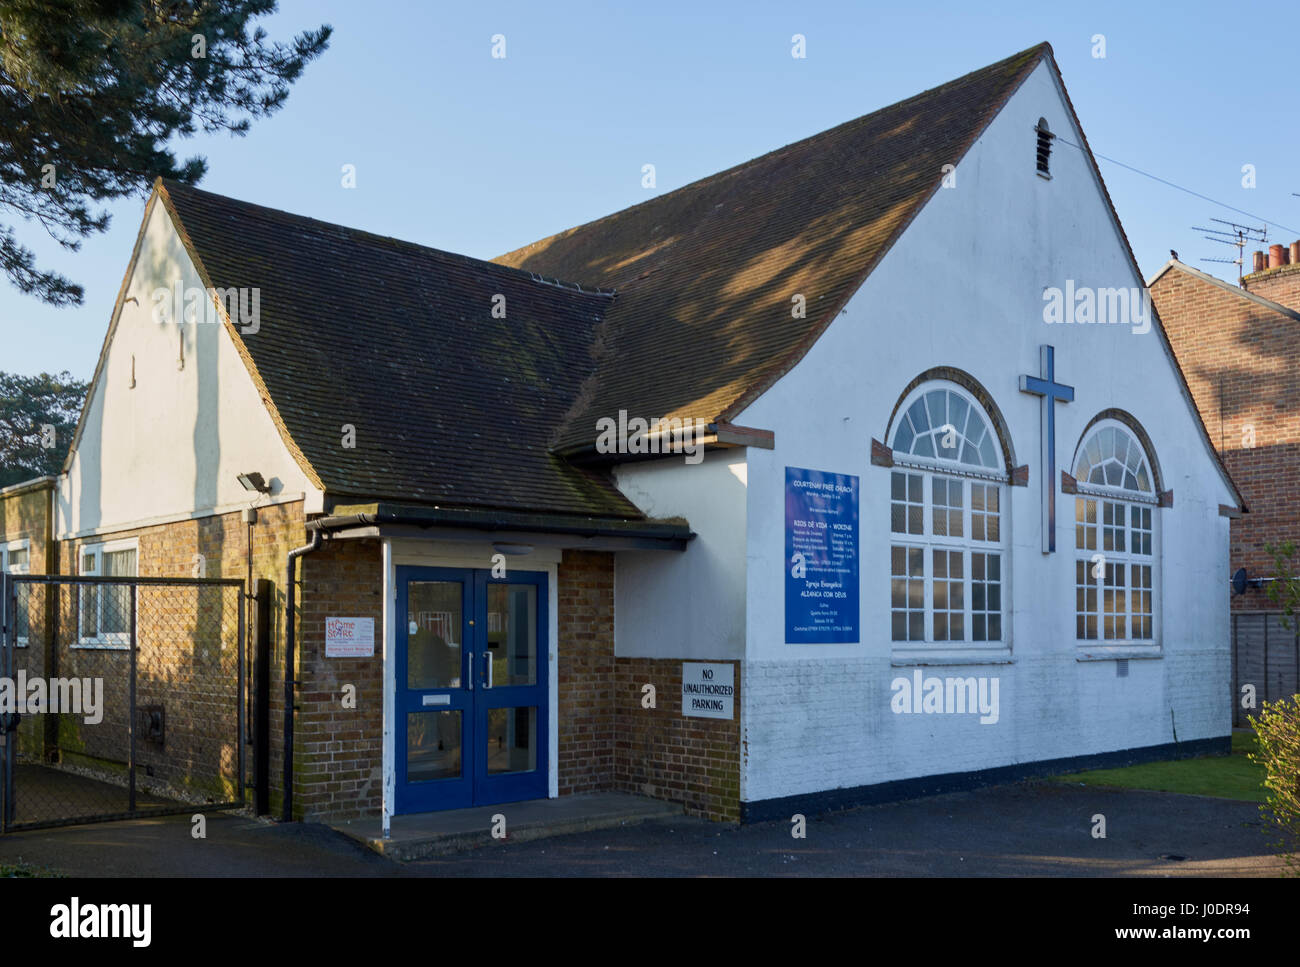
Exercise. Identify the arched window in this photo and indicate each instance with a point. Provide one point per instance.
(948, 543)
(1115, 537)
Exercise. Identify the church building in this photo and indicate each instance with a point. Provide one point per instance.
(858, 471)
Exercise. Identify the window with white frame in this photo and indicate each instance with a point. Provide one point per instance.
(16, 558)
(1115, 538)
(948, 545)
(104, 610)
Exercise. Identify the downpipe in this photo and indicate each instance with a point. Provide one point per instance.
(290, 699)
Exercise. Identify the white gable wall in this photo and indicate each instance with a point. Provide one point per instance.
(172, 446)
(963, 288)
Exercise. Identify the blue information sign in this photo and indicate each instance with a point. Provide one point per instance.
(821, 557)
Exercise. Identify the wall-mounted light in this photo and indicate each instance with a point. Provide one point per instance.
(254, 482)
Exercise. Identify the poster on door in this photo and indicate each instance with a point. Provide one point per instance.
(821, 557)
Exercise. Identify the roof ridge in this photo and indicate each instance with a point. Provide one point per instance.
(1228, 286)
(361, 234)
(708, 180)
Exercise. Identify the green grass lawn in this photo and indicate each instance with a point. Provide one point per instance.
(25, 871)
(1227, 777)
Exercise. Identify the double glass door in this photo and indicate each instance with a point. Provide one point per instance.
(472, 690)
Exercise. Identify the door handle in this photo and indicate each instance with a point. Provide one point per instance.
(471, 671)
(487, 660)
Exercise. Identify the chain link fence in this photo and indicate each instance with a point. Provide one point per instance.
(121, 697)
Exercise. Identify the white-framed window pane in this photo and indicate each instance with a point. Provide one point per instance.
(18, 559)
(985, 516)
(907, 593)
(1085, 524)
(947, 506)
(115, 601)
(1112, 527)
(119, 563)
(88, 598)
(986, 596)
(1085, 600)
(1112, 457)
(1140, 524)
(1114, 594)
(1141, 601)
(1114, 603)
(907, 503)
(949, 595)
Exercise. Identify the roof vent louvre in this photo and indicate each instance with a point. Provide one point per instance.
(1045, 138)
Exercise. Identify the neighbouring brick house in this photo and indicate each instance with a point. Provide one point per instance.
(692, 501)
(1239, 346)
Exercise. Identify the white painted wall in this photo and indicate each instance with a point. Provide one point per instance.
(963, 287)
(172, 446)
(691, 604)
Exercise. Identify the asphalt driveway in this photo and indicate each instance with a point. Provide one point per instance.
(1025, 829)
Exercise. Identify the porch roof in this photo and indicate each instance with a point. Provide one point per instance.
(386, 519)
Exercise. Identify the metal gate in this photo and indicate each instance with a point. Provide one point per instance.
(121, 697)
(1265, 654)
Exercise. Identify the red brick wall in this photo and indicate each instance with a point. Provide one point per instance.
(168, 550)
(24, 515)
(607, 739)
(1242, 362)
(586, 671)
(338, 751)
(1278, 285)
(661, 753)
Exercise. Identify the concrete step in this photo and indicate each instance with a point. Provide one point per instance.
(417, 836)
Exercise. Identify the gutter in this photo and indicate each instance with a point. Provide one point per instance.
(494, 521)
(717, 434)
(36, 483)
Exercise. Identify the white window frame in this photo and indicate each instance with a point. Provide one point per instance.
(110, 641)
(1127, 500)
(930, 469)
(5, 551)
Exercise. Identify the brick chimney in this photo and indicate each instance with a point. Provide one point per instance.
(1275, 275)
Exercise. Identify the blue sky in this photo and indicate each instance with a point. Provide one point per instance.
(472, 154)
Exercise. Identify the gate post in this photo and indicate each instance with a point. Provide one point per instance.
(130, 720)
(50, 747)
(6, 737)
(241, 687)
(262, 698)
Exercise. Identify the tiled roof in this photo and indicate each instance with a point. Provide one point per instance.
(450, 406)
(455, 408)
(705, 275)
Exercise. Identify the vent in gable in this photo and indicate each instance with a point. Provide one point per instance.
(1045, 138)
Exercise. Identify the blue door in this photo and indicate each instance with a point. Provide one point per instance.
(472, 691)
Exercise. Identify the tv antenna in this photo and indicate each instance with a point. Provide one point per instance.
(1237, 236)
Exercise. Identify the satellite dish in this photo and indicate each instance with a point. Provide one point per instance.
(1239, 581)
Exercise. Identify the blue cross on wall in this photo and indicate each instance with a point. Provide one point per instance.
(1050, 390)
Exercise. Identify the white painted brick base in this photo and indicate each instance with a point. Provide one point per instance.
(812, 725)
